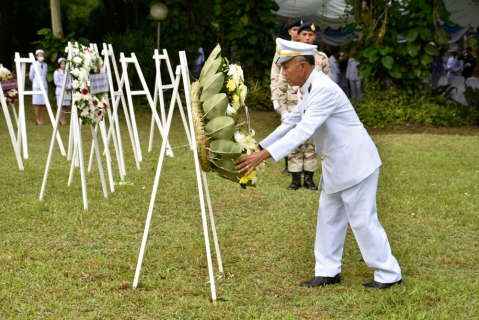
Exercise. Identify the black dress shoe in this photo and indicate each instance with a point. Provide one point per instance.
(321, 281)
(380, 285)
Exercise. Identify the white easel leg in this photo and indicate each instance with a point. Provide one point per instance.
(50, 154)
(98, 157)
(212, 218)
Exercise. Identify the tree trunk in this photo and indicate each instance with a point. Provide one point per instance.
(57, 29)
(6, 54)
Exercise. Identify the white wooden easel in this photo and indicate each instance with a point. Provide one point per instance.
(16, 148)
(201, 179)
(77, 145)
(129, 93)
(22, 130)
(158, 95)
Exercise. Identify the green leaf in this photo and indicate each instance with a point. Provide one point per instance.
(414, 61)
(212, 86)
(225, 148)
(221, 128)
(44, 31)
(252, 40)
(370, 51)
(215, 106)
(244, 20)
(431, 50)
(413, 48)
(388, 62)
(217, 9)
(384, 50)
(424, 32)
(210, 69)
(366, 72)
(426, 60)
(395, 73)
(411, 35)
(211, 58)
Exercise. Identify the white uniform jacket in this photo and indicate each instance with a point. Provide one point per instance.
(58, 76)
(325, 116)
(43, 69)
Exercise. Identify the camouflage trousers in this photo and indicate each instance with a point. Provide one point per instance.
(303, 158)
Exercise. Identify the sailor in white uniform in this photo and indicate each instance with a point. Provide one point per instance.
(350, 169)
(38, 100)
(58, 77)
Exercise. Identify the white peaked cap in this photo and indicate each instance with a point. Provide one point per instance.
(287, 50)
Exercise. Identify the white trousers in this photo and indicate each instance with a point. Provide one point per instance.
(356, 205)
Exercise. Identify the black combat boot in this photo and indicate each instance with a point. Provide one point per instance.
(285, 165)
(308, 180)
(296, 184)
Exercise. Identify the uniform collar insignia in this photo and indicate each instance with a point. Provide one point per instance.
(309, 88)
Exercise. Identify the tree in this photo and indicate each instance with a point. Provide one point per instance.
(56, 18)
(6, 13)
(399, 39)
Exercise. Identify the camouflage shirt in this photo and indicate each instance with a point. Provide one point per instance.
(285, 94)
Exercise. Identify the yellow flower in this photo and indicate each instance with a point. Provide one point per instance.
(245, 179)
(235, 98)
(231, 85)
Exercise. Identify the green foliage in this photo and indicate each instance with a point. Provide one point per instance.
(381, 108)
(244, 33)
(472, 97)
(382, 58)
(142, 44)
(258, 97)
(55, 48)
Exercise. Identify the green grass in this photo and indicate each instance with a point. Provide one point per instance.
(58, 261)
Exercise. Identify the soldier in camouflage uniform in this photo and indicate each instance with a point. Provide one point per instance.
(285, 99)
(279, 87)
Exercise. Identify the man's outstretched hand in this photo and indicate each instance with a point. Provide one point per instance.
(248, 163)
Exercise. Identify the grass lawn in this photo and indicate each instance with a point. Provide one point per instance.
(58, 261)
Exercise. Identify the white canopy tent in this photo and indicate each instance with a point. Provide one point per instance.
(331, 13)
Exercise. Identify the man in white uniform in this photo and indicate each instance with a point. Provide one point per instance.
(350, 169)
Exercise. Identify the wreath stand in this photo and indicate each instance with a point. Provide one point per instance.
(159, 88)
(201, 179)
(3, 101)
(22, 130)
(77, 145)
(124, 64)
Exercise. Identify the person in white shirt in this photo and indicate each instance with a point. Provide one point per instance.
(354, 79)
(334, 65)
(38, 100)
(58, 77)
(453, 65)
(350, 169)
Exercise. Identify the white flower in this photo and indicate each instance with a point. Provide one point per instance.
(77, 60)
(240, 72)
(230, 110)
(234, 74)
(245, 142)
(75, 84)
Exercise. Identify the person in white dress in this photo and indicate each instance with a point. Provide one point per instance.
(38, 100)
(350, 169)
(354, 79)
(58, 77)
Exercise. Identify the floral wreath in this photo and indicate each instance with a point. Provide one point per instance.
(12, 94)
(85, 62)
(222, 133)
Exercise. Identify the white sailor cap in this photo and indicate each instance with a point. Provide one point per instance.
(38, 52)
(287, 50)
(61, 59)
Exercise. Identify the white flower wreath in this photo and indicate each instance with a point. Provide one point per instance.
(90, 107)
